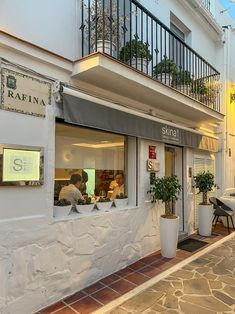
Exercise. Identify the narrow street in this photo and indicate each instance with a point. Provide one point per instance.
(204, 286)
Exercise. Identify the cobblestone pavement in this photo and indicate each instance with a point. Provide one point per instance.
(204, 286)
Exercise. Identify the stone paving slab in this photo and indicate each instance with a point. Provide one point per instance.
(204, 286)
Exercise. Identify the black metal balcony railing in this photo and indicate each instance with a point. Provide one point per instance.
(125, 30)
(207, 4)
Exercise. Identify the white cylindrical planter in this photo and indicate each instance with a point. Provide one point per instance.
(140, 64)
(205, 214)
(165, 78)
(104, 46)
(169, 229)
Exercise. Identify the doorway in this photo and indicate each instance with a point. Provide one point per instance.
(174, 166)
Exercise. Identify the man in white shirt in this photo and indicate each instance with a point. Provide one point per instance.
(119, 189)
(71, 192)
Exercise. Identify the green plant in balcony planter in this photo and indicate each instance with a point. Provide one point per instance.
(165, 71)
(136, 53)
(198, 87)
(167, 189)
(182, 78)
(166, 66)
(204, 182)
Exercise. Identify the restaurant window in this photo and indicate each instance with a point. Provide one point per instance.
(96, 155)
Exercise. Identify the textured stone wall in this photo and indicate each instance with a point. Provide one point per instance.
(41, 261)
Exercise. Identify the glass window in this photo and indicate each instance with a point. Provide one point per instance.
(96, 155)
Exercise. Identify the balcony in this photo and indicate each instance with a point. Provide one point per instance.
(123, 30)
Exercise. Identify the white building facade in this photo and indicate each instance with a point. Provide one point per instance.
(81, 102)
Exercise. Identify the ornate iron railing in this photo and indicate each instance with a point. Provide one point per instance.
(127, 31)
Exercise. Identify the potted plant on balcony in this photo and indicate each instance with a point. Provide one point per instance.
(167, 189)
(103, 26)
(198, 89)
(62, 207)
(204, 182)
(182, 81)
(165, 71)
(137, 54)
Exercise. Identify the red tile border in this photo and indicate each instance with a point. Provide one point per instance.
(93, 288)
(75, 297)
(110, 279)
(137, 278)
(105, 295)
(65, 310)
(122, 286)
(137, 265)
(53, 308)
(86, 305)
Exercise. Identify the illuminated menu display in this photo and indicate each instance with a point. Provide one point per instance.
(20, 165)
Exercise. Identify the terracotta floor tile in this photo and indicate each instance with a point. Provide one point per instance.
(53, 308)
(105, 295)
(137, 265)
(124, 272)
(75, 297)
(122, 286)
(151, 259)
(86, 305)
(150, 271)
(93, 288)
(65, 310)
(137, 278)
(110, 279)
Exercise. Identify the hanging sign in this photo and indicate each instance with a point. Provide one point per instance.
(25, 94)
(152, 152)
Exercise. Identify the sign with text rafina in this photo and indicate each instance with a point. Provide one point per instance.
(20, 165)
(24, 94)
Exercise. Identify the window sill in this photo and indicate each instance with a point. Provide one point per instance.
(94, 213)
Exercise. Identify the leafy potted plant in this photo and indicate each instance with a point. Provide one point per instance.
(104, 203)
(62, 207)
(182, 81)
(137, 54)
(198, 89)
(121, 200)
(165, 70)
(84, 205)
(167, 189)
(204, 182)
(103, 26)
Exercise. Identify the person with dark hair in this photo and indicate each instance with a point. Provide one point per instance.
(71, 192)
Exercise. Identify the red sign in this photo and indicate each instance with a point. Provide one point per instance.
(152, 152)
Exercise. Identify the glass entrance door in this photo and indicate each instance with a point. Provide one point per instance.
(173, 166)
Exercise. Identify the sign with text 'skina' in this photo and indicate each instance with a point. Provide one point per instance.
(25, 94)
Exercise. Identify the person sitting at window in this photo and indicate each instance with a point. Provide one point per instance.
(119, 189)
(71, 192)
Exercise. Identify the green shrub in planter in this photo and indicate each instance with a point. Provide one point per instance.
(85, 201)
(167, 190)
(121, 196)
(182, 78)
(166, 66)
(199, 87)
(62, 202)
(204, 181)
(135, 49)
(104, 200)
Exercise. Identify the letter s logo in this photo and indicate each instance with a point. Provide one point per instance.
(18, 164)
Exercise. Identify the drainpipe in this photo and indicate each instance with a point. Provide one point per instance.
(225, 98)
